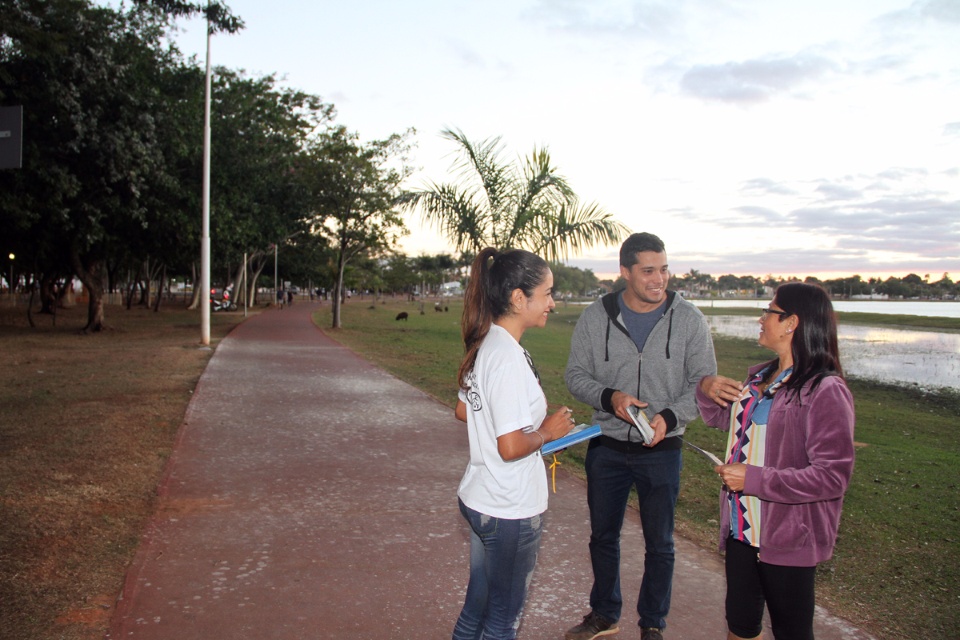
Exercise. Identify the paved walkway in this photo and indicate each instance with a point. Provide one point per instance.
(312, 495)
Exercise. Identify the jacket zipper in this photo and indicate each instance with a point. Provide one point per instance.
(639, 371)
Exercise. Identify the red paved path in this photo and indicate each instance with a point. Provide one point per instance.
(312, 495)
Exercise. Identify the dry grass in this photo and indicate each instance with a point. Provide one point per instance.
(86, 425)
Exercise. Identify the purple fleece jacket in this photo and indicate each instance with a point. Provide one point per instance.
(807, 467)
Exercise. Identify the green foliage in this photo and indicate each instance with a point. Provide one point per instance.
(217, 14)
(573, 280)
(352, 191)
(910, 286)
(258, 193)
(87, 77)
(526, 206)
(893, 570)
(112, 176)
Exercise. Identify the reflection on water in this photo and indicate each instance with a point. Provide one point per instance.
(923, 358)
(904, 307)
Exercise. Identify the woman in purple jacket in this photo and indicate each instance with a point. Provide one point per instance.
(789, 460)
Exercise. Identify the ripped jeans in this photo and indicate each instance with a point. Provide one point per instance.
(503, 554)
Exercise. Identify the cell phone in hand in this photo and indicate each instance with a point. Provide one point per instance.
(643, 425)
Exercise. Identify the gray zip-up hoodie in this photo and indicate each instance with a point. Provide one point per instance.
(604, 359)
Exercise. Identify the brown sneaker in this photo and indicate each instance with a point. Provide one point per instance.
(651, 633)
(593, 626)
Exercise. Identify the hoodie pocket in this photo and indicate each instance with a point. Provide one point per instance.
(784, 528)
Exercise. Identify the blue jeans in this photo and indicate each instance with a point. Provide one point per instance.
(503, 554)
(610, 475)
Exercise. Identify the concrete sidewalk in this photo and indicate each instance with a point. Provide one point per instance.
(312, 495)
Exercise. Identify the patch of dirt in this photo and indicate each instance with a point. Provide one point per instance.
(94, 614)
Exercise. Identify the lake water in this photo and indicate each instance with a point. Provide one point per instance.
(925, 359)
(906, 307)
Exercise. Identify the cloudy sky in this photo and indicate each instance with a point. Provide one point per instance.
(754, 136)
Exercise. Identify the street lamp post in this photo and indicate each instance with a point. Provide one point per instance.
(205, 226)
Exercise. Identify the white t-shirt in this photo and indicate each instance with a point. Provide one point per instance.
(503, 396)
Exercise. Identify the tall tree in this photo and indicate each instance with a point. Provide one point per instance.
(354, 190)
(494, 203)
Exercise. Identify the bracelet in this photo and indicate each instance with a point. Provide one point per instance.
(542, 441)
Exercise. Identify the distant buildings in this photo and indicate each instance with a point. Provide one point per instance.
(451, 289)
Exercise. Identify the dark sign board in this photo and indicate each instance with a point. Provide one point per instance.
(11, 137)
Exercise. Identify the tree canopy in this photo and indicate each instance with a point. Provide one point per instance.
(353, 189)
(111, 179)
(528, 205)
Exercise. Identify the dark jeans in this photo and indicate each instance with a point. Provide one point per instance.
(503, 554)
(656, 476)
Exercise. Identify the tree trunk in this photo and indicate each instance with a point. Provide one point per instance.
(338, 294)
(336, 299)
(112, 271)
(162, 281)
(147, 287)
(238, 281)
(252, 285)
(92, 278)
(134, 278)
(95, 315)
(30, 311)
(195, 299)
(48, 298)
(155, 272)
(68, 298)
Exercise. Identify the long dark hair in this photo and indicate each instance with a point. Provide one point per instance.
(494, 276)
(816, 354)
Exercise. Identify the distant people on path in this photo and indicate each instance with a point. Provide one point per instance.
(503, 493)
(789, 460)
(281, 296)
(643, 346)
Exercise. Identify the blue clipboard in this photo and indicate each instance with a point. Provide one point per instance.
(580, 433)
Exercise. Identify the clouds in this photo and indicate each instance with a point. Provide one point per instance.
(754, 81)
(946, 12)
(893, 222)
(846, 115)
(662, 21)
(752, 136)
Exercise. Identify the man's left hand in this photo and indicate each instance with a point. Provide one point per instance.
(659, 430)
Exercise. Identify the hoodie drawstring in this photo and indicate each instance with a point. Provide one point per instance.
(606, 343)
(669, 331)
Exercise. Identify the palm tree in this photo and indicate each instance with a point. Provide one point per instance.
(496, 204)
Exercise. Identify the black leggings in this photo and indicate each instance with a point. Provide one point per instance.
(786, 591)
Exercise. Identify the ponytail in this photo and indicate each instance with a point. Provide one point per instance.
(477, 317)
(494, 276)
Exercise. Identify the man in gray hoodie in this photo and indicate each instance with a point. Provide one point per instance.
(643, 346)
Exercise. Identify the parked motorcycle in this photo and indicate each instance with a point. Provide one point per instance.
(224, 303)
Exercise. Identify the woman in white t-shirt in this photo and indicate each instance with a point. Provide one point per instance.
(503, 493)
